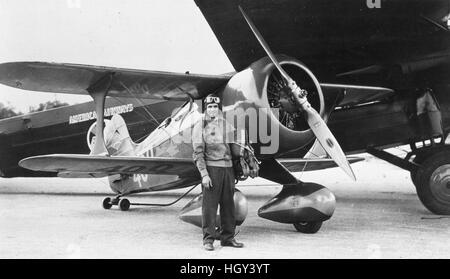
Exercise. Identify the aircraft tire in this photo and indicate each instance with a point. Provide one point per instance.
(413, 174)
(124, 204)
(308, 227)
(433, 179)
(107, 203)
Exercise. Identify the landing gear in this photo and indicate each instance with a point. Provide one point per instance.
(107, 203)
(306, 205)
(430, 173)
(124, 204)
(308, 227)
(413, 175)
(433, 183)
(413, 172)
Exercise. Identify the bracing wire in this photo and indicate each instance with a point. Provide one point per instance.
(139, 100)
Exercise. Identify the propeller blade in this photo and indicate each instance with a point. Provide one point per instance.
(315, 122)
(328, 141)
(265, 46)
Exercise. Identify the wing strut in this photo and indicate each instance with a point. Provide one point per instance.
(98, 92)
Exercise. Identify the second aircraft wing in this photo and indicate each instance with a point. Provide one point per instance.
(77, 79)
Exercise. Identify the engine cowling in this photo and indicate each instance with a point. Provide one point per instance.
(279, 95)
(260, 86)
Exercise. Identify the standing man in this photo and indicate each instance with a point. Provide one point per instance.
(212, 157)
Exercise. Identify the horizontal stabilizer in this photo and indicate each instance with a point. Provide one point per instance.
(76, 79)
(73, 165)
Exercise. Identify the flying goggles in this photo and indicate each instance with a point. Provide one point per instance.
(212, 100)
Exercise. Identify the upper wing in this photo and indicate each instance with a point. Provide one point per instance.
(330, 37)
(96, 166)
(76, 79)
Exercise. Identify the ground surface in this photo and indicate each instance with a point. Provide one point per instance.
(379, 216)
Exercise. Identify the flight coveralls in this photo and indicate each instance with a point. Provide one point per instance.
(212, 156)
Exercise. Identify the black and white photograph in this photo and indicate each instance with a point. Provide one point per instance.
(225, 130)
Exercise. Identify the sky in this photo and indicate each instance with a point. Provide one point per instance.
(163, 35)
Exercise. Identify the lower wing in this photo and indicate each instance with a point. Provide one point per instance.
(311, 164)
(72, 165)
(280, 170)
(97, 166)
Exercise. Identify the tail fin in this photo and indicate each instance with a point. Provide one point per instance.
(118, 143)
(117, 138)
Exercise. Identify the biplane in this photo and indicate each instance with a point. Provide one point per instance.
(379, 87)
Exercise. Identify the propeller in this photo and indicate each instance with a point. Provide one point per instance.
(315, 122)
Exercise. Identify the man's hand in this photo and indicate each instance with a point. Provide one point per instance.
(206, 182)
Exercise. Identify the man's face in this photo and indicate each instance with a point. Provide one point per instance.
(212, 110)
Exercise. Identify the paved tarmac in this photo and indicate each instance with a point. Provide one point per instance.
(379, 216)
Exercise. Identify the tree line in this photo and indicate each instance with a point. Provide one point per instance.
(7, 111)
